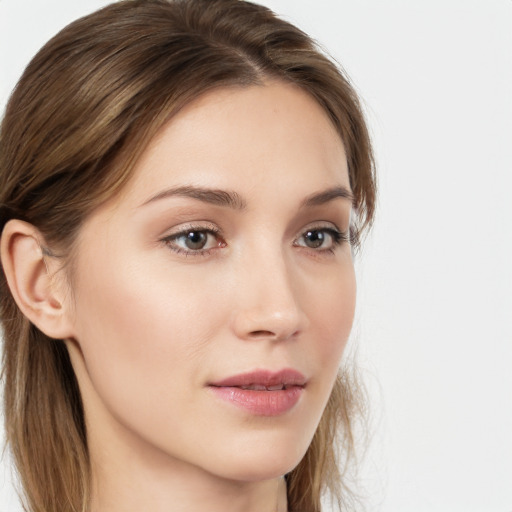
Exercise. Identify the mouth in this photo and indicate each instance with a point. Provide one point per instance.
(261, 380)
(260, 387)
(262, 392)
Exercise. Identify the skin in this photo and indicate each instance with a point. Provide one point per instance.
(150, 322)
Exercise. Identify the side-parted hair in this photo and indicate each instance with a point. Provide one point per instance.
(79, 119)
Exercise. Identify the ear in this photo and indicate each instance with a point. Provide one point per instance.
(32, 279)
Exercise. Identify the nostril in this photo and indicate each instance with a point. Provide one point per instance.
(259, 334)
(272, 335)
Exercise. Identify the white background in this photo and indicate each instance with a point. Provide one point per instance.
(435, 308)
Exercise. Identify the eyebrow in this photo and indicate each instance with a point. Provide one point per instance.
(232, 199)
(320, 198)
(227, 198)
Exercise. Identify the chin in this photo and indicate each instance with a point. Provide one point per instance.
(259, 471)
(264, 460)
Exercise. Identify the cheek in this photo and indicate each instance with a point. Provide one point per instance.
(331, 311)
(143, 336)
(145, 355)
(140, 313)
(331, 316)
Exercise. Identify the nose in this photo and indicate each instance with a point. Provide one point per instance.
(268, 302)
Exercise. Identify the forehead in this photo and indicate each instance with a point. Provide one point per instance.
(244, 137)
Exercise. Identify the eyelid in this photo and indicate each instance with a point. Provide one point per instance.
(192, 226)
(338, 236)
(322, 226)
(199, 226)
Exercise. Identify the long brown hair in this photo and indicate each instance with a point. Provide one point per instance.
(82, 114)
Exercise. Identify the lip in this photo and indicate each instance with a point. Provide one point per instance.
(262, 402)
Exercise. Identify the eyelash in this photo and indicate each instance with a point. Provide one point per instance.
(338, 238)
(170, 240)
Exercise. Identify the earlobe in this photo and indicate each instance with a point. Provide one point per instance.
(31, 279)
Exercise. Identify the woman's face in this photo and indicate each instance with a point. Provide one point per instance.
(213, 298)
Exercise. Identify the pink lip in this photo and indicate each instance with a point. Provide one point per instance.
(262, 402)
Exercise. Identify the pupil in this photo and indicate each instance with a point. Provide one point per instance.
(314, 239)
(196, 240)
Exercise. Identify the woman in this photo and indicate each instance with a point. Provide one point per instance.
(182, 187)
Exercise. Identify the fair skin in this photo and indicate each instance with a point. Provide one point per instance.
(175, 288)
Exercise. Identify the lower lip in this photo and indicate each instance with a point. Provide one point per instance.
(261, 403)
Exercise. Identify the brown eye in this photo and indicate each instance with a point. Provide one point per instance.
(314, 239)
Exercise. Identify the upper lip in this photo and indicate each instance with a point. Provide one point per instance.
(267, 378)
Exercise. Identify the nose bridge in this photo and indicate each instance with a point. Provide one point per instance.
(268, 300)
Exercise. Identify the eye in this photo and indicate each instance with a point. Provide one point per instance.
(194, 241)
(315, 239)
(322, 239)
